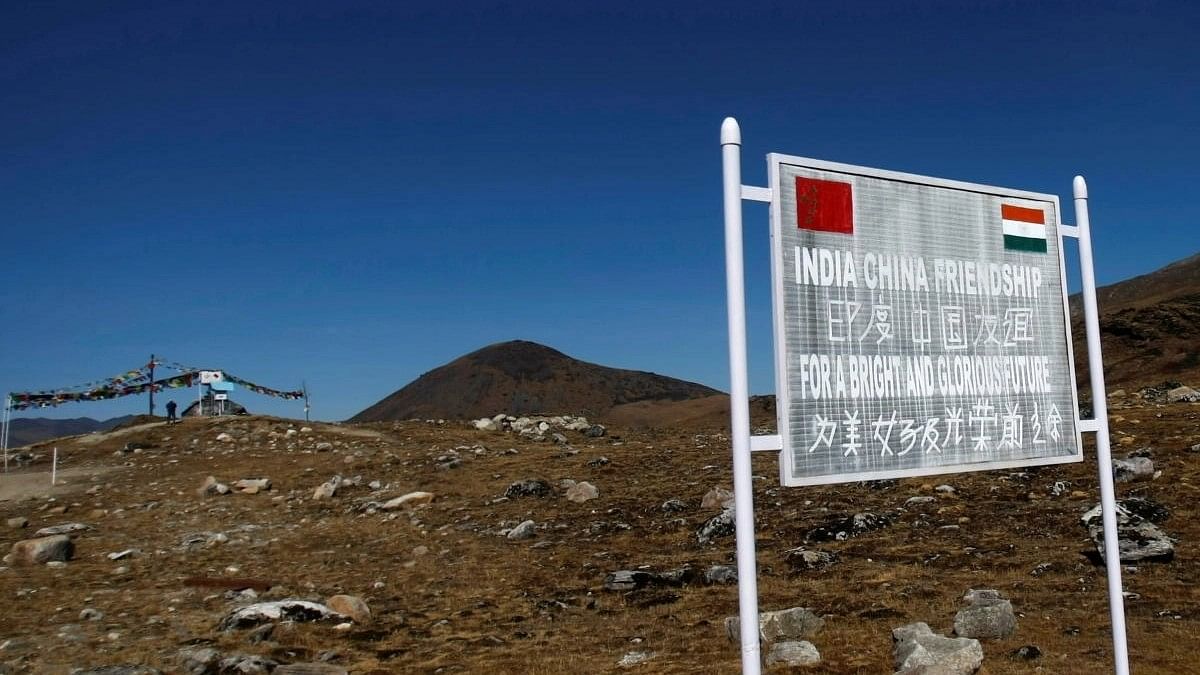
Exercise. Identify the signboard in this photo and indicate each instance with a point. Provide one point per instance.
(210, 376)
(920, 325)
(220, 397)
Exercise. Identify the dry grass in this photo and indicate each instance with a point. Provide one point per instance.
(479, 603)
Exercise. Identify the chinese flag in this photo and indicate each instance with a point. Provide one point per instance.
(824, 206)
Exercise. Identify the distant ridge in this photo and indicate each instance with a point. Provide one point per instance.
(1149, 327)
(521, 377)
(26, 430)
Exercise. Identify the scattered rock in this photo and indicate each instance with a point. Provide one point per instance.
(842, 527)
(1132, 469)
(253, 486)
(126, 669)
(717, 498)
(528, 488)
(721, 525)
(987, 616)
(211, 486)
(796, 623)
(595, 431)
(635, 659)
(599, 462)
(205, 538)
(581, 492)
(1139, 539)
(328, 489)
(1183, 395)
(485, 424)
(281, 610)
(919, 651)
(350, 605)
(42, 550)
(721, 574)
(526, 530)
(89, 614)
(244, 664)
(224, 438)
(793, 653)
(17, 523)
(408, 501)
(198, 660)
(323, 446)
(628, 580)
(805, 559)
(674, 506)
(311, 669)
(1027, 653)
(261, 634)
(65, 528)
(121, 555)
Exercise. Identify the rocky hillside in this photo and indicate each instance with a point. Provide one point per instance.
(522, 377)
(1149, 325)
(262, 545)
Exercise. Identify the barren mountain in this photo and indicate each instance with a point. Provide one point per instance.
(26, 430)
(520, 377)
(1149, 327)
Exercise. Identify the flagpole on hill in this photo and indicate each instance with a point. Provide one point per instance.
(152, 385)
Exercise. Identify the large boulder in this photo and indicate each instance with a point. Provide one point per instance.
(350, 605)
(721, 525)
(796, 623)
(986, 616)
(793, 653)
(840, 528)
(919, 651)
(281, 610)
(532, 487)
(582, 492)
(1183, 395)
(1132, 469)
(1139, 539)
(39, 551)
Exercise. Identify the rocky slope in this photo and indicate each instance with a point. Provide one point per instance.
(416, 547)
(522, 377)
(1149, 326)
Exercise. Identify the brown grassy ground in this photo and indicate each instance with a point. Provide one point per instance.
(476, 602)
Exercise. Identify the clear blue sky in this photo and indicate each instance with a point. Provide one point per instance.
(354, 193)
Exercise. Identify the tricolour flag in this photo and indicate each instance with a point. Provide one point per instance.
(1024, 228)
(824, 205)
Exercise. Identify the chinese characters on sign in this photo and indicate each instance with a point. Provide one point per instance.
(922, 325)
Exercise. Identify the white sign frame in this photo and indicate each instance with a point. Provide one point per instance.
(743, 444)
(775, 161)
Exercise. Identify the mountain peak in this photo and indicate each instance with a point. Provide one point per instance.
(522, 377)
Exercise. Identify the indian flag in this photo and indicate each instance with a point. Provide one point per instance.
(1024, 228)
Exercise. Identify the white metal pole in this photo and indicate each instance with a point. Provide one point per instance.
(54, 467)
(739, 396)
(4, 431)
(1108, 502)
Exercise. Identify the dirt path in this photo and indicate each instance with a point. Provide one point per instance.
(16, 486)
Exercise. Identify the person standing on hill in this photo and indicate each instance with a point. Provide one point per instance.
(171, 412)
